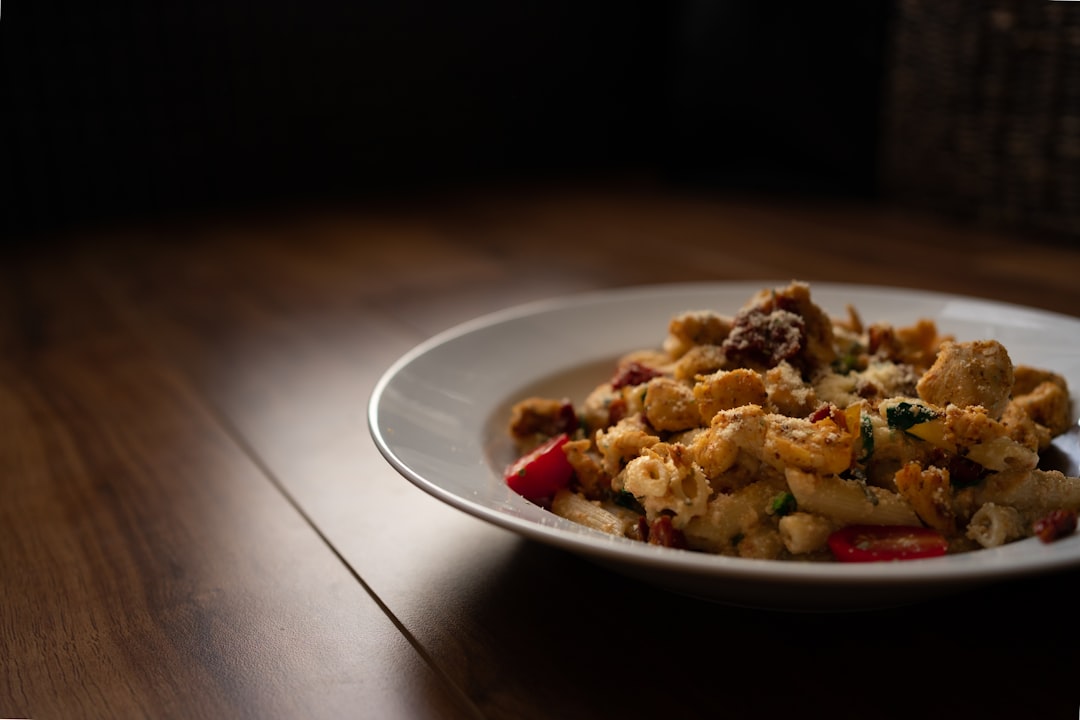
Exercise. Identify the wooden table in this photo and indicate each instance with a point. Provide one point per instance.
(196, 523)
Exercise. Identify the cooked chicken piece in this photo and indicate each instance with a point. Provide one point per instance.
(969, 373)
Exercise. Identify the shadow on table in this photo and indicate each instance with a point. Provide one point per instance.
(590, 643)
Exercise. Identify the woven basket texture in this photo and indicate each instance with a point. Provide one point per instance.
(982, 111)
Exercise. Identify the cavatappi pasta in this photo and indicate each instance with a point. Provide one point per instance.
(762, 433)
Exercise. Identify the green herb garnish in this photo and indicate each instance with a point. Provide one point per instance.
(627, 500)
(783, 504)
(904, 415)
(866, 435)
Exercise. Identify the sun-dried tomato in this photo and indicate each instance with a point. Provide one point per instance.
(1055, 525)
(632, 373)
(662, 532)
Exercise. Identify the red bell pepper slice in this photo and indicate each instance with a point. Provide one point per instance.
(538, 474)
(875, 543)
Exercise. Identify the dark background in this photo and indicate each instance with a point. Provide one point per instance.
(151, 109)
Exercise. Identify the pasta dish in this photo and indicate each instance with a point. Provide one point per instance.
(778, 432)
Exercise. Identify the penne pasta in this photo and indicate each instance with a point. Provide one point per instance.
(848, 502)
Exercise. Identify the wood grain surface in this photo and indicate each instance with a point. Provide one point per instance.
(196, 523)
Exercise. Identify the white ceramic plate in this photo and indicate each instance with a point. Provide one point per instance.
(439, 416)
